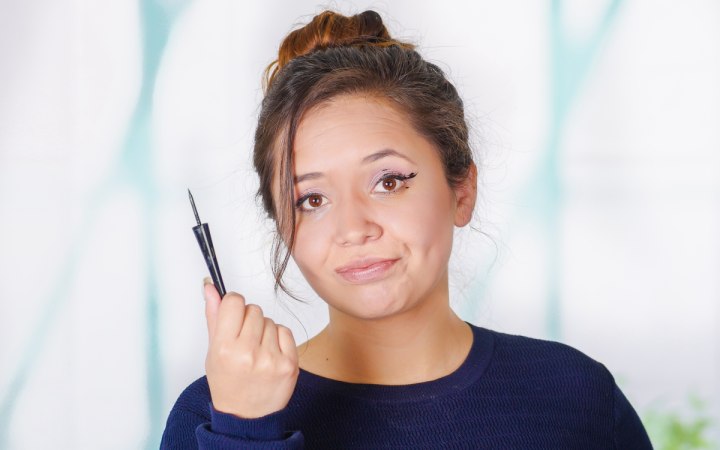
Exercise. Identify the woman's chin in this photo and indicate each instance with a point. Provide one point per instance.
(371, 304)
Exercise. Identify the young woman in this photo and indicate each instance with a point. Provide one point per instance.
(364, 164)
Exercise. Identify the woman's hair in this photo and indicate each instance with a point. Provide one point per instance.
(336, 55)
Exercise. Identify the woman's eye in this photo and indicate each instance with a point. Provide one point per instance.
(392, 183)
(310, 202)
(389, 184)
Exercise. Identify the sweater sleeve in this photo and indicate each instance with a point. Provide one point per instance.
(193, 423)
(628, 430)
(226, 431)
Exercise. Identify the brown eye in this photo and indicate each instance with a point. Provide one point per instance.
(315, 200)
(311, 202)
(390, 184)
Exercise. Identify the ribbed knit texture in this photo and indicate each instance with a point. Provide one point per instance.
(511, 392)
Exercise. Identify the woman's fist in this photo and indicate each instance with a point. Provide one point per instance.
(252, 363)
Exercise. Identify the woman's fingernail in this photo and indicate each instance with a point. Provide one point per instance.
(207, 280)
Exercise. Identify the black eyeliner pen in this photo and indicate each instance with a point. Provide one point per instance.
(202, 234)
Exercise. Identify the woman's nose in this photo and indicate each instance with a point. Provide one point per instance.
(355, 223)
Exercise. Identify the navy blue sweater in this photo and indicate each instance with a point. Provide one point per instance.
(511, 392)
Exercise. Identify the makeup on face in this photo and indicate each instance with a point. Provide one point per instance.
(374, 210)
(387, 182)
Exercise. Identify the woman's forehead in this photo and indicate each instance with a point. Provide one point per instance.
(354, 124)
(342, 132)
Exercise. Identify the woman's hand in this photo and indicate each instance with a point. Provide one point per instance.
(252, 363)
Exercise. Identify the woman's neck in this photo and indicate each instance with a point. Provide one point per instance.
(412, 347)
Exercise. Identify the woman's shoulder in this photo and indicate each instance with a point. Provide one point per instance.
(540, 359)
(530, 349)
(555, 379)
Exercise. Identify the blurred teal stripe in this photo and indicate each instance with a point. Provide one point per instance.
(136, 160)
(544, 192)
(571, 63)
(59, 291)
(135, 169)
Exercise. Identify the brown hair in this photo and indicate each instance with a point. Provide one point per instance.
(337, 55)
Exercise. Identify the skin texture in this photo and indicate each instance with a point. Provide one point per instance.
(399, 328)
(252, 363)
(396, 328)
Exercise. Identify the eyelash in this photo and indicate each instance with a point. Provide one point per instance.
(386, 176)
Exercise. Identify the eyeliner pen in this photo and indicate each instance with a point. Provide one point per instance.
(202, 234)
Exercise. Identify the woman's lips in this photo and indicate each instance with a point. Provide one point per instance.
(369, 272)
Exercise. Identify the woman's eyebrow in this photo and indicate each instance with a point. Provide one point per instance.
(382, 154)
(366, 160)
(308, 176)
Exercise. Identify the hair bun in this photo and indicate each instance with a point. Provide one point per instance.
(372, 25)
(331, 29)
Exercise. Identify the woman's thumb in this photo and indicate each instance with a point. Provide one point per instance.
(212, 303)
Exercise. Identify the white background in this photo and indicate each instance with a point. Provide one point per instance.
(631, 244)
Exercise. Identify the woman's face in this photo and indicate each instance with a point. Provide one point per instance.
(375, 214)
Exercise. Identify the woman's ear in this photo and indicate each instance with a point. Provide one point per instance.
(465, 196)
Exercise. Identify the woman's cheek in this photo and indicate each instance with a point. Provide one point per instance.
(310, 245)
(433, 211)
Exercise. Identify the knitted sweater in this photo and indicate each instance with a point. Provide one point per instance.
(511, 392)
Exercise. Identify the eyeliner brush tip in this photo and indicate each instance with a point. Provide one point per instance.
(192, 202)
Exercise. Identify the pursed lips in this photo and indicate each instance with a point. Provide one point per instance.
(366, 270)
(362, 263)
